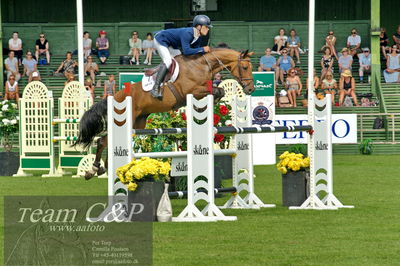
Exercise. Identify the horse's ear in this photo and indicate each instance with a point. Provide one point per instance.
(244, 53)
(250, 54)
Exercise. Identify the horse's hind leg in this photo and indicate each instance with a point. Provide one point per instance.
(97, 168)
(104, 143)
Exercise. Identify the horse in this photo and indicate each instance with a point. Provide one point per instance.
(195, 72)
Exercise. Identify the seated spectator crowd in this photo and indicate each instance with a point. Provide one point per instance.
(285, 64)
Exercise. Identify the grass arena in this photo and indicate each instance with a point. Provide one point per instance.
(223, 135)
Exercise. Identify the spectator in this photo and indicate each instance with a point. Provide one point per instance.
(217, 79)
(89, 87)
(136, 46)
(365, 63)
(284, 63)
(11, 65)
(102, 45)
(330, 42)
(109, 87)
(293, 86)
(30, 65)
(11, 89)
(87, 45)
(36, 76)
(280, 41)
(15, 44)
(345, 60)
(396, 37)
(316, 82)
(347, 87)
(354, 42)
(391, 73)
(268, 63)
(326, 62)
(329, 86)
(42, 48)
(70, 77)
(148, 47)
(91, 68)
(294, 45)
(384, 41)
(67, 66)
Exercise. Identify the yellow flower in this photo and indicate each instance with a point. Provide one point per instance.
(121, 178)
(285, 161)
(132, 186)
(283, 155)
(123, 169)
(283, 170)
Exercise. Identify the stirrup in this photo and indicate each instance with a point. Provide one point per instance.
(156, 93)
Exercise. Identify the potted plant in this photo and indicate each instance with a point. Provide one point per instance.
(9, 161)
(294, 168)
(366, 147)
(145, 179)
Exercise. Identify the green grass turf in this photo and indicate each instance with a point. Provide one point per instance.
(366, 235)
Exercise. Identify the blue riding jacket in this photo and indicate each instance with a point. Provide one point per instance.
(180, 38)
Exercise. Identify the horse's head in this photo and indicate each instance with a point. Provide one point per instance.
(243, 71)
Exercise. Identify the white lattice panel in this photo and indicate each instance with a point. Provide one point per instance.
(35, 125)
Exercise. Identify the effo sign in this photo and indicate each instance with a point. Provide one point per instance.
(344, 128)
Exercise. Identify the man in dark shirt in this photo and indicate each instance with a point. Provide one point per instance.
(42, 47)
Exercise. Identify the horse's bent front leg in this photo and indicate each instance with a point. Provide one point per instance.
(97, 168)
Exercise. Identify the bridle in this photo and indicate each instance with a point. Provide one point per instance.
(240, 79)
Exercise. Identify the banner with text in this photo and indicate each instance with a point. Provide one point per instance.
(263, 113)
(344, 128)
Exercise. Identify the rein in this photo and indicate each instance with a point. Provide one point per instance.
(240, 79)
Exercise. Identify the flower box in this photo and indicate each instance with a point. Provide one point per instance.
(294, 188)
(147, 194)
(9, 163)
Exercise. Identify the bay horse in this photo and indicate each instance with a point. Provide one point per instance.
(195, 71)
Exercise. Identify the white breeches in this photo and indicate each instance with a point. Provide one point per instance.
(165, 53)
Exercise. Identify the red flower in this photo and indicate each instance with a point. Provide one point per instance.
(216, 119)
(183, 116)
(149, 121)
(219, 138)
(223, 110)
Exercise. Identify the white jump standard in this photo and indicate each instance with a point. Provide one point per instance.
(200, 156)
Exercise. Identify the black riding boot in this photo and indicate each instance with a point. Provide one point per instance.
(156, 91)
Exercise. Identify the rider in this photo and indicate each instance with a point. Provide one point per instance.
(172, 42)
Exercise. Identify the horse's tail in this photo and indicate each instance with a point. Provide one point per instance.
(92, 123)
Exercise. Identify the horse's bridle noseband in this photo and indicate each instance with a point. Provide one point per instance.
(241, 80)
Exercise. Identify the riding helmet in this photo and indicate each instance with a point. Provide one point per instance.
(202, 20)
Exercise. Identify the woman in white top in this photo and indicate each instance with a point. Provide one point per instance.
(329, 85)
(11, 89)
(30, 65)
(136, 46)
(87, 45)
(148, 48)
(280, 41)
(11, 66)
(15, 44)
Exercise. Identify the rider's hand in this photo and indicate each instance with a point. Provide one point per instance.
(207, 49)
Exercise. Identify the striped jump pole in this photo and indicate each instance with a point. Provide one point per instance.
(182, 194)
(64, 138)
(65, 120)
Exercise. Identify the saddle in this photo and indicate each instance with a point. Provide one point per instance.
(151, 71)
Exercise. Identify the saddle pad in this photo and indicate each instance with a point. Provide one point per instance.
(148, 81)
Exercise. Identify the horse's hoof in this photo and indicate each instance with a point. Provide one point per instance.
(89, 175)
(101, 171)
